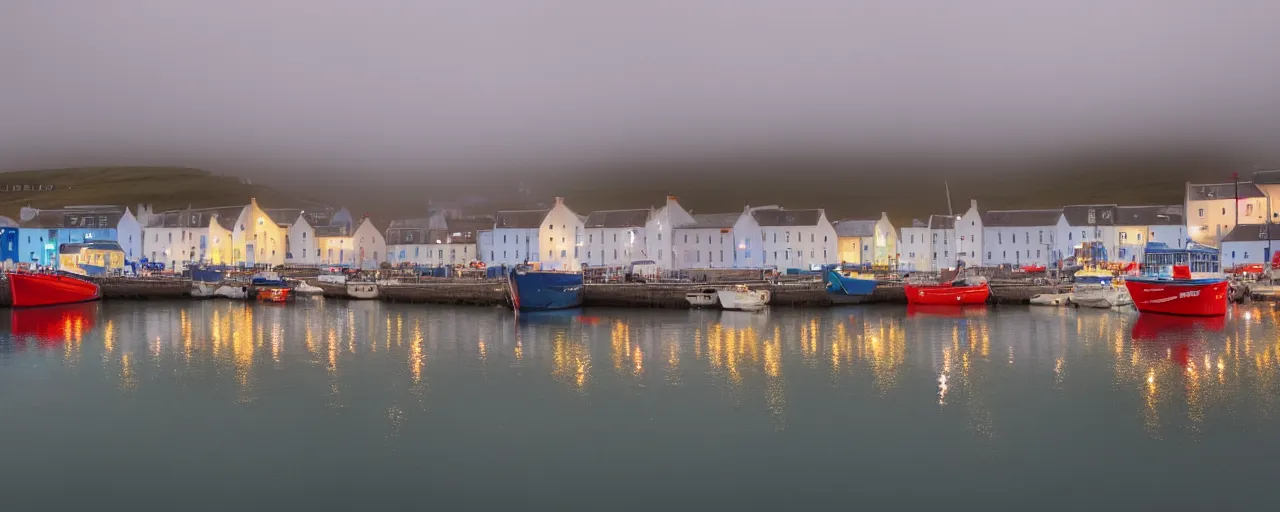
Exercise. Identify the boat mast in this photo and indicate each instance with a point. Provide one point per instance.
(949, 212)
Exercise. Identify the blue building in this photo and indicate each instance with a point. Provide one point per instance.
(40, 232)
(8, 241)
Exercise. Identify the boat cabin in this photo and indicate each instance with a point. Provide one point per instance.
(1164, 262)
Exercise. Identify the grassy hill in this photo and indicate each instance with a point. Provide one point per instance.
(163, 187)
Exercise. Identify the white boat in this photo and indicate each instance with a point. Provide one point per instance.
(232, 292)
(332, 278)
(386, 282)
(703, 299)
(304, 288)
(1051, 299)
(362, 290)
(742, 298)
(1098, 289)
(202, 290)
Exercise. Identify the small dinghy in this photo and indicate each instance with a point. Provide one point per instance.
(232, 292)
(362, 290)
(1051, 299)
(303, 288)
(743, 299)
(703, 299)
(202, 289)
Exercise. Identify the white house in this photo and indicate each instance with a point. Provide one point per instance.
(364, 247)
(1137, 225)
(178, 238)
(1212, 209)
(1250, 243)
(1082, 225)
(708, 242)
(942, 241)
(552, 238)
(873, 241)
(1019, 237)
(515, 237)
(301, 247)
(659, 229)
(795, 238)
(969, 240)
(616, 237)
(434, 241)
(915, 248)
(484, 244)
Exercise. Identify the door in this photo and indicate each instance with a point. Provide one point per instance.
(249, 255)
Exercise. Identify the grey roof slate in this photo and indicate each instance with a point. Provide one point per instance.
(1090, 214)
(778, 218)
(1208, 192)
(942, 222)
(617, 219)
(1159, 215)
(858, 228)
(520, 219)
(1020, 218)
(713, 220)
(1253, 233)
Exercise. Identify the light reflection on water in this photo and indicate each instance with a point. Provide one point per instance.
(1012, 380)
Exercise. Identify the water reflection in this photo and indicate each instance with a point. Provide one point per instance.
(1177, 374)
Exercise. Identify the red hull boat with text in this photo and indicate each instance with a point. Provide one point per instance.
(33, 290)
(964, 292)
(1185, 282)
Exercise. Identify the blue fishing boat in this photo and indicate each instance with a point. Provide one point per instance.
(532, 290)
(855, 285)
(203, 274)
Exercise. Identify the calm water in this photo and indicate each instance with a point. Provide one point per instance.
(365, 405)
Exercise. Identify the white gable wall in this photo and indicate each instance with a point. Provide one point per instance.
(969, 237)
(129, 236)
(915, 249)
(659, 229)
(560, 239)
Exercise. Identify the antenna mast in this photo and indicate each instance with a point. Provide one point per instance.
(950, 213)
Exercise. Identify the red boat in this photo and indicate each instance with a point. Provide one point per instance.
(280, 295)
(1170, 288)
(31, 290)
(961, 293)
(1033, 269)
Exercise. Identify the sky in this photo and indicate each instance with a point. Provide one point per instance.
(432, 85)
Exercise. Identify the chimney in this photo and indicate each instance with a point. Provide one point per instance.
(559, 201)
(672, 199)
(973, 204)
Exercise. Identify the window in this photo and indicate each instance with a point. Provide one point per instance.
(551, 227)
(697, 239)
(775, 240)
(659, 236)
(1017, 255)
(686, 238)
(1224, 212)
(615, 237)
(697, 256)
(1004, 254)
(504, 255)
(659, 253)
(551, 239)
(1124, 236)
(913, 239)
(1042, 236)
(775, 253)
(1248, 210)
(1202, 212)
(1246, 255)
(788, 237)
(1233, 254)
(935, 238)
(722, 256)
(551, 254)
(1139, 237)
(615, 254)
(811, 237)
(491, 258)
(591, 238)
(1082, 234)
(562, 251)
(988, 255)
(999, 238)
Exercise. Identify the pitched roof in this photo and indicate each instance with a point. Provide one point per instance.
(1020, 218)
(1159, 215)
(859, 228)
(336, 230)
(617, 219)
(1196, 192)
(226, 217)
(520, 219)
(76, 217)
(776, 217)
(1090, 214)
(1253, 233)
(942, 222)
(713, 220)
(1271, 177)
(284, 216)
(917, 223)
(418, 223)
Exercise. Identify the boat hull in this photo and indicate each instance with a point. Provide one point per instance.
(842, 285)
(278, 295)
(1102, 297)
(537, 291)
(362, 291)
(1051, 299)
(944, 295)
(1192, 297)
(35, 290)
(752, 300)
